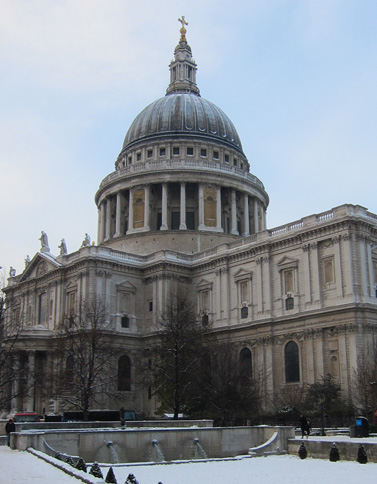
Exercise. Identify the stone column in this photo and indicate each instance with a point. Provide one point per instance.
(164, 207)
(30, 383)
(256, 216)
(201, 207)
(146, 207)
(15, 383)
(246, 215)
(264, 223)
(183, 225)
(117, 215)
(218, 210)
(101, 219)
(131, 212)
(234, 230)
(108, 218)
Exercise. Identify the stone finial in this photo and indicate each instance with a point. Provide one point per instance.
(12, 272)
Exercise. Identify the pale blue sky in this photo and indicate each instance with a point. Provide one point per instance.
(298, 78)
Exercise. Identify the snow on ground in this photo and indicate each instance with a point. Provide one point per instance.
(25, 468)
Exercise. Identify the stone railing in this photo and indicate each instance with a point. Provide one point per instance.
(182, 164)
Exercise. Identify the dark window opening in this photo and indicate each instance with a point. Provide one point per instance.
(205, 319)
(244, 312)
(289, 303)
(162, 151)
(138, 156)
(226, 158)
(203, 152)
(292, 368)
(124, 374)
(125, 322)
(159, 221)
(175, 220)
(150, 305)
(190, 151)
(190, 220)
(175, 150)
(215, 155)
(149, 154)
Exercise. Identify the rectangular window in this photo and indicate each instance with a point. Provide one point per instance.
(130, 160)
(203, 152)
(150, 306)
(149, 153)
(215, 155)
(190, 151)
(138, 156)
(162, 151)
(244, 312)
(175, 150)
(125, 322)
(235, 161)
(226, 158)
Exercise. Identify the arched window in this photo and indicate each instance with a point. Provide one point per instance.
(292, 366)
(124, 374)
(245, 366)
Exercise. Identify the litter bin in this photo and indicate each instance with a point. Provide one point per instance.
(361, 428)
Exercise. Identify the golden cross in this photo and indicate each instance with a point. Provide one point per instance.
(183, 30)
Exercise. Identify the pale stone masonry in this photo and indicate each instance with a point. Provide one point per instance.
(182, 209)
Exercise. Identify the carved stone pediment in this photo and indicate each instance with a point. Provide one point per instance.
(40, 265)
(126, 286)
(287, 263)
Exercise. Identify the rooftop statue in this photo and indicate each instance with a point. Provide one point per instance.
(44, 242)
(63, 247)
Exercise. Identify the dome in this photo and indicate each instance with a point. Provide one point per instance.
(181, 115)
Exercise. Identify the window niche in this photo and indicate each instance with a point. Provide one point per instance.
(243, 281)
(288, 270)
(125, 305)
(204, 295)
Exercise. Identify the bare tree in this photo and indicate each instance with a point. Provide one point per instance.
(176, 355)
(10, 330)
(86, 357)
(226, 391)
(364, 383)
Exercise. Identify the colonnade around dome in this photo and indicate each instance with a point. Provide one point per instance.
(180, 206)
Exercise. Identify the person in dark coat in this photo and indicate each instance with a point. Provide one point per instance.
(304, 426)
(10, 427)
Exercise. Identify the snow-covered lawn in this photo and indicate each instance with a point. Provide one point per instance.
(22, 467)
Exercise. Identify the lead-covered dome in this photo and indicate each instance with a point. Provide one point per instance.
(183, 114)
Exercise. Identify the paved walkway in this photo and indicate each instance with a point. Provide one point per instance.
(25, 468)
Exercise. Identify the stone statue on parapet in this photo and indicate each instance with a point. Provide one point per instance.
(44, 242)
(27, 261)
(12, 272)
(86, 241)
(62, 247)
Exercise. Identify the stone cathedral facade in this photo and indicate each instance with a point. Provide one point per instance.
(182, 207)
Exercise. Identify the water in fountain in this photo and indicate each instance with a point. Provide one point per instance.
(156, 453)
(108, 453)
(199, 452)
